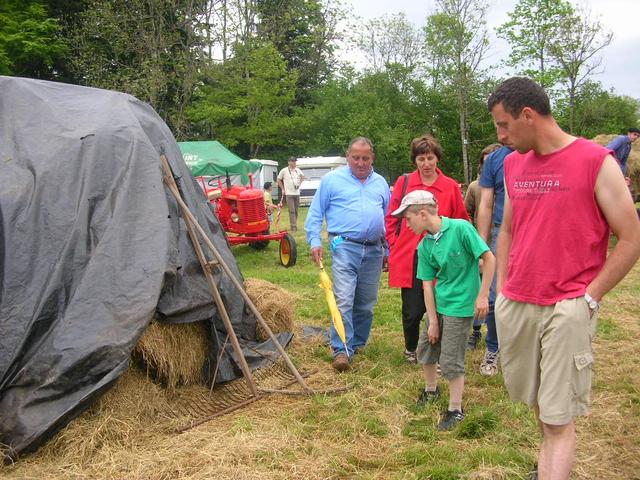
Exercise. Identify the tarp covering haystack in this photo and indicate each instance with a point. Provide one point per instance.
(92, 248)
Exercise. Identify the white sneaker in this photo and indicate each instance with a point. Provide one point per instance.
(489, 365)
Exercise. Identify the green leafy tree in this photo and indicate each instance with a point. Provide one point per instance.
(575, 48)
(304, 32)
(246, 99)
(599, 111)
(457, 37)
(149, 48)
(530, 30)
(30, 41)
(392, 107)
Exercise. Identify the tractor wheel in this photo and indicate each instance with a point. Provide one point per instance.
(262, 244)
(288, 251)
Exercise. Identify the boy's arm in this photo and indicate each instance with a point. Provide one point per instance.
(488, 269)
(432, 315)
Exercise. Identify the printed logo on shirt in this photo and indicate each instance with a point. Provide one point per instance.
(530, 185)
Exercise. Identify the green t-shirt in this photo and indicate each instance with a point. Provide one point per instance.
(451, 257)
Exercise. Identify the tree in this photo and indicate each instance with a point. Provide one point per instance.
(30, 41)
(148, 48)
(456, 35)
(246, 99)
(392, 40)
(598, 111)
(575, 47)
(304, 32)
(530, 29)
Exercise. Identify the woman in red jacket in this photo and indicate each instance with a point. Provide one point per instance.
(425, 153)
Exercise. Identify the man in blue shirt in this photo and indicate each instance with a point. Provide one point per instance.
(489, 220)
(621, 146)
(353, 200)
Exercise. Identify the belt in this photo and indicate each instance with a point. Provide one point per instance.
(368, 243)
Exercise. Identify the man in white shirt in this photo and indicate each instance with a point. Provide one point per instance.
(289, 179)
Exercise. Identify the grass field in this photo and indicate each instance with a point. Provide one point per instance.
(374, 430)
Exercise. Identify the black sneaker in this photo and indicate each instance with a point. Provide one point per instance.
(428, 397)
(451, 419)
(410, 357)
(474, 339)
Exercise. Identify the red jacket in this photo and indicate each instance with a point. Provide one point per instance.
(403, 247)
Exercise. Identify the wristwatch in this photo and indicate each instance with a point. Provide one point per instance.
(591, 301)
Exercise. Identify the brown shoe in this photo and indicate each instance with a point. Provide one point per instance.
(341, 362)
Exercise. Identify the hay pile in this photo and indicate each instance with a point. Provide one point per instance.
(124, 418)
(633, 163)
(274, 303)
(174, 353)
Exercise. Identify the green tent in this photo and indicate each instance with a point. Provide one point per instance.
(213, 159)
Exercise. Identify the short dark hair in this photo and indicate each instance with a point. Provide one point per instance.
(634, 130)
(292, 159)
(425, 144)
(516, 93)
(267, 185)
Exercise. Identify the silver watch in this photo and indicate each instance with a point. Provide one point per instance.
(593, 304)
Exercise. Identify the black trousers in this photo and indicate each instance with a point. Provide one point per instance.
(413, 309)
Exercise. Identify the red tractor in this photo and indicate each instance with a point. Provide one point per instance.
(242, 212)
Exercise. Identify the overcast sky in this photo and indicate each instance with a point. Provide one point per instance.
(621, 59)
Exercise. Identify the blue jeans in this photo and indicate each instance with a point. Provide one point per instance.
(356, 273)
(492, 336)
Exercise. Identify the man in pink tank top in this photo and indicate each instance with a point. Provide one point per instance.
(563, 196)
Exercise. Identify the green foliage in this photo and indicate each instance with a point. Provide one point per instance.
(456, 34)
(30, 41)
(247, 98)
(598, 111)
(304, 33)
(147, 48)
(531, 28)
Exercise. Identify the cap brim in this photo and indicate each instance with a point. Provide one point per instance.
(399, 211)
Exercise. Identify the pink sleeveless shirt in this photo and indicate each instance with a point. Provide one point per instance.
(559, 234)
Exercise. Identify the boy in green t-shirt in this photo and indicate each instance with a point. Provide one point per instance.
(450, 254)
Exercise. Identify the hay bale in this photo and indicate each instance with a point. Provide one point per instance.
(633, 163)
(175, 353)
(122, 418)
(274, 303)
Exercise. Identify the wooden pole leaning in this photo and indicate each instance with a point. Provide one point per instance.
(220, 261)
(206, 267)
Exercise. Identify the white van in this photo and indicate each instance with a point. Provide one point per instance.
(314, 168)
(268, 173)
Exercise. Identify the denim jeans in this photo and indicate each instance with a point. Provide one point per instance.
(492, 336)
(356, 273)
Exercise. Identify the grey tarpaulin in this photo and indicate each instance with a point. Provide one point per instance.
(92, 247)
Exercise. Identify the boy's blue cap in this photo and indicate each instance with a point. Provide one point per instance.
(417, 197)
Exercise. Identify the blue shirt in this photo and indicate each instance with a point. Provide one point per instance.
(621, 146)
(352, 208)
(492, 176)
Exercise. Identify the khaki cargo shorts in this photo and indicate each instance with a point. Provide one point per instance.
(546, 355)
